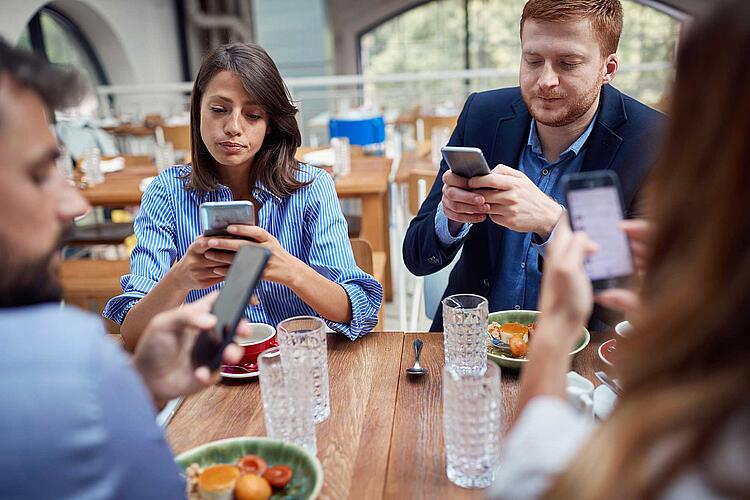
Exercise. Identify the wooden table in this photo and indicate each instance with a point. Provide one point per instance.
(367, 181)
(384, 438)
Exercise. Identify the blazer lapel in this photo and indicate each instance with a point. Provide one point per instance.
(604, 143)
(511, 135)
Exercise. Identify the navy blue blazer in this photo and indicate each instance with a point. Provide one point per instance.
(625, 138)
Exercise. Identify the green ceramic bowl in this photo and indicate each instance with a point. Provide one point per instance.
(307, 476)
(524, 317)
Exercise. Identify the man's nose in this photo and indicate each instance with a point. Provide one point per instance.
(548, 78)
(70, 202)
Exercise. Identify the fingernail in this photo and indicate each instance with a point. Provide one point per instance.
(232, 229)
(478, 200)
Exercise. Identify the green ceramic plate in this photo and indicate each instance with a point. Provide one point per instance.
(524, 317)
(307, 476)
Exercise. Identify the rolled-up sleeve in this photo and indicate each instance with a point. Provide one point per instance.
(331, 255)
(154, 253)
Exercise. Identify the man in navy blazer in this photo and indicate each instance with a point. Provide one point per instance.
(565, 117)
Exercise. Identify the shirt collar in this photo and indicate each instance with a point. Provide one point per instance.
(574, 149)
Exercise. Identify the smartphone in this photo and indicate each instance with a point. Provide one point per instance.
(595, 207)
(243, 275)
(466, 162)
(216, 216)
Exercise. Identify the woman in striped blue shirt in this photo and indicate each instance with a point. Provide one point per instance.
(244, 137)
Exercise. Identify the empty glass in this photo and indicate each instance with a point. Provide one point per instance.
(92, 167)
(287, 398)
(465, 333)
(472, 414)
(342, 156)
(164, 156)
(306, 336)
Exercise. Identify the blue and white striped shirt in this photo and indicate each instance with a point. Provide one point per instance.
(308, 224)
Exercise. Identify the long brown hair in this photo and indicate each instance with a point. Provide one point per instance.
(686, 368)
(274, 164)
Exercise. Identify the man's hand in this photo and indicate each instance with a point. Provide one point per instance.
(516, 202)
(163, 353)
(461, 205)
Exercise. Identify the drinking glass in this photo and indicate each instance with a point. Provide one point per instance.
(472, 414)
(287, 397)
(92, 166)
(306, 336)
(342, 156)
(465, 333)
(164, 156)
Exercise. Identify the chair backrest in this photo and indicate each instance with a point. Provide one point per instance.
(360, 132)
(89, 283)
(178, 135)
(429, 122)
(420, 183)
(362, 254)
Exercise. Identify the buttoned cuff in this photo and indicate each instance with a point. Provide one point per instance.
(539, 243)
(443, 233)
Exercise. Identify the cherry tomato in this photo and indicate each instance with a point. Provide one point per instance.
(252, 464)
(517, 346)
(278, 476)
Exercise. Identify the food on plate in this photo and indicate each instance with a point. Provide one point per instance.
(217, 482)
(278, 475)
(252, 487)
(517, 346)
(514, 335)
(252, 464)
(249, 479)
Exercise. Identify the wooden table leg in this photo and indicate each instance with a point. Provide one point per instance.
(375, 217)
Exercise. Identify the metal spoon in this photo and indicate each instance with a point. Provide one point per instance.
(416, 369)
(609, 382)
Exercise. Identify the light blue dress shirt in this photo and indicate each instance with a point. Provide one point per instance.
(308, 224)
(520, 274)
(75, 419)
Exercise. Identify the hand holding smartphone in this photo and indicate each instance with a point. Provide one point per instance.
(595, 207)
(216, 216)
(466, 162)
(230, 305)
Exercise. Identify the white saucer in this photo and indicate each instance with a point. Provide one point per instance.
(240, 375)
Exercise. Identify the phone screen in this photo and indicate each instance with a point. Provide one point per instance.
(597, 211)
(244, 273)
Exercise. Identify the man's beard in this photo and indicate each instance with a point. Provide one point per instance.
(571, 113)
(31, 282)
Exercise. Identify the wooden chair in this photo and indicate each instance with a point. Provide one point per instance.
(178, 135)
(89, 284)
(373, 263)
(419, 185)
(429, 122)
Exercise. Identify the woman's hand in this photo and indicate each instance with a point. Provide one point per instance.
(163, 353)
(201, 267)
(639, 232)
(566, 296)
(282, 267)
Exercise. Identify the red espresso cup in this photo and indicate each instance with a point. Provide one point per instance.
(262, 337)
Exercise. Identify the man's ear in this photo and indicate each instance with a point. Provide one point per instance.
(610, 68)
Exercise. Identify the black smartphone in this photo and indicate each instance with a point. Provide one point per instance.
(466, 162)
(244, 273)
(595, 207)
(217, 215)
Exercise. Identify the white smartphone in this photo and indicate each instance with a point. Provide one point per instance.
(466, 162)
(595, 207)
(216, 216)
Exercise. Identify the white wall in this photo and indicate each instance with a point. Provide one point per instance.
(136, 40)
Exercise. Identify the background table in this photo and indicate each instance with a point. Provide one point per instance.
(384, 438)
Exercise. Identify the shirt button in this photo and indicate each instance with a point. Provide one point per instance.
(486, 282)
(523, 265)
(518, 307)
(545, 171)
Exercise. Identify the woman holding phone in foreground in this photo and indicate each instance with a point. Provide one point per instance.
(682, 427)
(244, 137)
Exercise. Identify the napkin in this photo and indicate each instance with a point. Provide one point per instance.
(114, 165)
(319, 158)
(588, 400)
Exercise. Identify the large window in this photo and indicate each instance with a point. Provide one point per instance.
(438, 36)
(58, 39)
